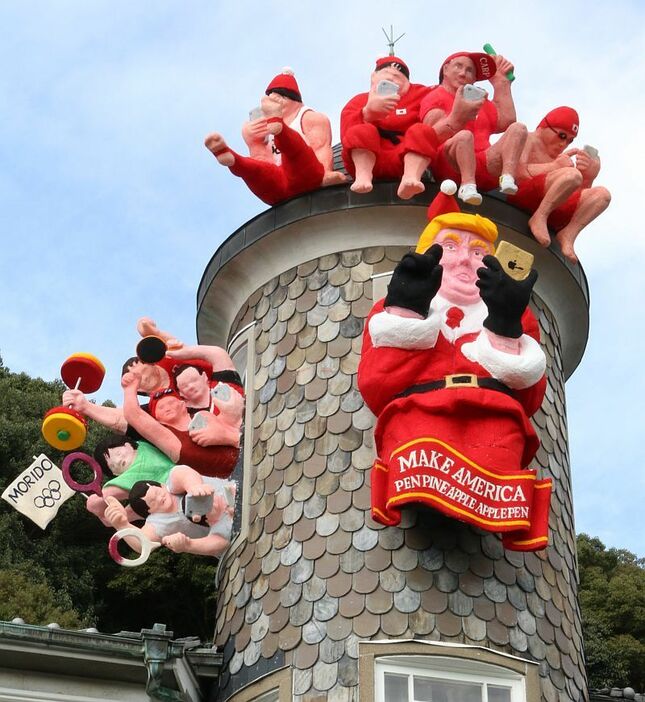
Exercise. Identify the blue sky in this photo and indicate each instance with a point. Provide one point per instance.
(110, 207)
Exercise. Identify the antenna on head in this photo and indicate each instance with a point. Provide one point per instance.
(391, 41)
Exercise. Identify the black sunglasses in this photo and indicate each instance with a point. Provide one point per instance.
(561, 135)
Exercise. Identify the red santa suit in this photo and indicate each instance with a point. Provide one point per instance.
(483, 427)
(482, 127)
(488, 426)
(530, 194)
(391, 137)
(295, 168)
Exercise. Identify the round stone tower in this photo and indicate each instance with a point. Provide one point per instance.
(316, 600)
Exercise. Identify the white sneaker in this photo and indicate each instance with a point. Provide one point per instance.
(468, 193)
(507, 184)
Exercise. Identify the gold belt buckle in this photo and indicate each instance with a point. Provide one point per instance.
(461, 380)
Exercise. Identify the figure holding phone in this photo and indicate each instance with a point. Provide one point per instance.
(464, 119)
(289, 145)
(558, 192)
(381, 133)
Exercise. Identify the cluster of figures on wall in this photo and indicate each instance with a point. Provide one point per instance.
(399, 129)
(170, 456)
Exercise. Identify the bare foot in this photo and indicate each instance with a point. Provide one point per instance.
(538, 226)
(217, 146)
(409, 187)
(361, 186)
(565, 239)
(333, 178)
(273, 108)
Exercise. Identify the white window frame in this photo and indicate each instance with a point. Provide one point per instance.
(246, 335)
(449, 669)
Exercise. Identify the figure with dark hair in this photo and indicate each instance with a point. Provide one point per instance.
(381, 132)
(206, 379)
(556, 191)
(128, 461)
(164, 507)
(464, 119)
(289, 146)
(168, 427)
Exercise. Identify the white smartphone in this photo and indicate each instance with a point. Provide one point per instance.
(387, 87)
(255, 113)
(473, 93)
(198, 422)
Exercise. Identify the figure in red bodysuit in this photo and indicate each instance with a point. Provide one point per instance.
(381, 132)
(289, 146)
(464, 122)
(452, 353)
(558, 193)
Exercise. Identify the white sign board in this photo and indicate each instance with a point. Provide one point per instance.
(39, 491)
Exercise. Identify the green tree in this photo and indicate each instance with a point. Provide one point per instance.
(34, 601)
(612, 600)
(69, 560)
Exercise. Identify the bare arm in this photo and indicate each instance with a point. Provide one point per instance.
(215, 355)
(211, 545)
(110, 417)
(447, 124)
(588, 166)
(116, 515)
(529, 165)
(502, 97)
(317, 130)
(254, 134)
(145, 424)
(185, 480)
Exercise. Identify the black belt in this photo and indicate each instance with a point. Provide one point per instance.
(457, 381)
(391, 135)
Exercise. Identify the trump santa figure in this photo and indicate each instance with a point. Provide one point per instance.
(452, 368)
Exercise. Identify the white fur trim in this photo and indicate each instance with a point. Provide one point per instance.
(404, 332)
(517, 371)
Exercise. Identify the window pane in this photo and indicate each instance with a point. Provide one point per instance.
(239, 361)
(429, 690)
(396, 688)
(497, 693)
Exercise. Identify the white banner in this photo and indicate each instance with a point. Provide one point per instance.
(39, 491)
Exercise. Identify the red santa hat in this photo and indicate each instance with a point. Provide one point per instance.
(485, 66)
(384, 61)
(562, 118)
(444, 213)
(285, 84)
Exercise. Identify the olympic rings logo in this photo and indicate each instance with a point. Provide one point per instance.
(49, 496)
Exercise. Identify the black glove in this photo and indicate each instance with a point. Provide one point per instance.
(505, 297)
(415, 281)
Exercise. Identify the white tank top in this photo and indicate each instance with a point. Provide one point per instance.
(296, 125)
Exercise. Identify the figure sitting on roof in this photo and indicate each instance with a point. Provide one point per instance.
(558, 192)
(289, 146)
(171, 518)
(381, 132)
(464, 118)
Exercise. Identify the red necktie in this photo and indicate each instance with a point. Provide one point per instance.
(454, 315)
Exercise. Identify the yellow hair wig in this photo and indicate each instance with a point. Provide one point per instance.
(457, 220)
